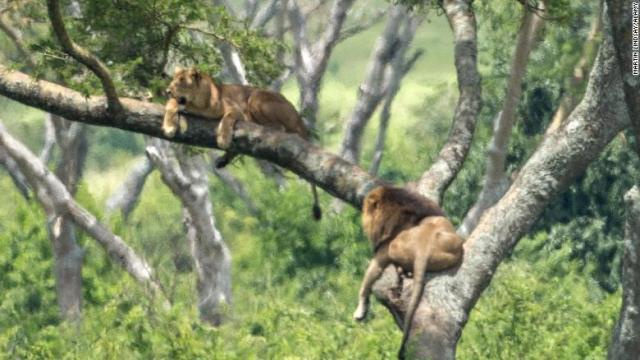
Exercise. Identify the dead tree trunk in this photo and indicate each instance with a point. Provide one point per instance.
(626, 342)
(371, 89)
(311, 59)
(68, 255)
(495, 180)
(186, 176)
(53, 195)
(125, 198)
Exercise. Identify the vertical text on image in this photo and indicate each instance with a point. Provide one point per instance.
(635, 38)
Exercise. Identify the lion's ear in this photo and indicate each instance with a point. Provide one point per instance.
(194, 73)
(177, 70)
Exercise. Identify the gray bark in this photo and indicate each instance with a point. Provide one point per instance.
(626, 339)
(445, 168)
(620, 15)
(16, 175)
(311, 60)
(395, 73)
(371, 89)
(69, 256)
(53, 195)
(125, 198)
(186, 176)
(49, 139)
(496, 182)
(559, 159)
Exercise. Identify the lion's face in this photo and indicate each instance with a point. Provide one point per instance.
(185, 85)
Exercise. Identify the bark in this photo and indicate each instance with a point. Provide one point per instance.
(186, 176)
(336, 176)
(371, 89)
(495, 180)
(83, 56)
(560, 158)
(626, 343)
(580, 71)
(69, 256)
(399, 67)
(49, 139)
(16, 175)
(620, 20)
(311, 61)
(445, 168)
(54, 196)
(126, 196)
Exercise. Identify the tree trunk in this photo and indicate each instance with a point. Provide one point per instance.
(126, 196)
(445, 168)
(626, 342)
(55, 198)
(495, 181)
(371, 90)
(559, 159)
(186, 176)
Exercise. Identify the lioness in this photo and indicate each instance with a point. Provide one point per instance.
(196, 93)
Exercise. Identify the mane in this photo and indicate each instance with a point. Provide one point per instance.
(411, 202)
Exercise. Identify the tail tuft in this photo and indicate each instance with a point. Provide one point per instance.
(317, 212)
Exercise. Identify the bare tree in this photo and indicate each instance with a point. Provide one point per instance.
(626, 343)
(496, 182)
(16, 175)
(53, 195)
(395, 73)
(312, 56)
(125, 198)
(371, 89)
(445, 168)
(186, 176)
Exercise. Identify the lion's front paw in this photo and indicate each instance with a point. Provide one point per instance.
(360, 313)
(169, 130)
(223, 138)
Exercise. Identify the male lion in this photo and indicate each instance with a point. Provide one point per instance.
(196, 93)
(410, 232)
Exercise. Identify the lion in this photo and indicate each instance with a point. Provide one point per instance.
(412, 233)
(196, 93)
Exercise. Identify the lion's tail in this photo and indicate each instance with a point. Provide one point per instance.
(317, 212)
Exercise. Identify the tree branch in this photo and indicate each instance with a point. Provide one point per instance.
(126, 196)
(445, 168)
(51, 191)
(83, 56)
(559, 159)
(186, 176)
(626, 343)
(495, 180)
(619, 19)
(371, 90)
(328, 171)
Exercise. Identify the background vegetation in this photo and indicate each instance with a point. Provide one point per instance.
(295, 281)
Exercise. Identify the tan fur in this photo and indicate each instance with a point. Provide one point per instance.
(410, 232)
(200, 95)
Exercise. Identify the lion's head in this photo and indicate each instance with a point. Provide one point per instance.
(190, 86)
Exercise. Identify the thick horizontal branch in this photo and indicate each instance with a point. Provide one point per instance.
(336, 176)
